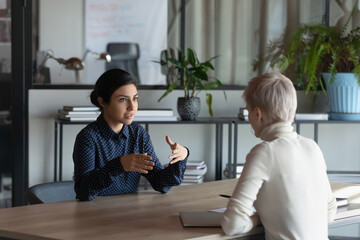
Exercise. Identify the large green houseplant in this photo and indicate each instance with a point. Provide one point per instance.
(312, 51)
(187, 71)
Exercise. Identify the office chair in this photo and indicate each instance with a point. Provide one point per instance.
(6, 158)
(51, 192)
(124, 56)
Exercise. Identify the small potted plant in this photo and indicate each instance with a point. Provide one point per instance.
(192, 74)
(319, 54)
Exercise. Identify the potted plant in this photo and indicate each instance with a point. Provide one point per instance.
(319, 54)
(193, 75)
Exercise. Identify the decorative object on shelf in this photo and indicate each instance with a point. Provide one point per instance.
(243, 114)
(188, 71)
(99, 56)
(317, 53)
(343, 95)
(188, 108)
(72, 63)
(239, 168)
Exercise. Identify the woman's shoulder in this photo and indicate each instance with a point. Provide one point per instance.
(89, 130)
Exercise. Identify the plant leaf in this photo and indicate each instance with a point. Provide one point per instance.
(209, 65)
(201, 74)
(191, 57)
(209, 103)
(212, 85)
(169, 90)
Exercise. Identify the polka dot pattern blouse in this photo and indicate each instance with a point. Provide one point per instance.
(97, 166)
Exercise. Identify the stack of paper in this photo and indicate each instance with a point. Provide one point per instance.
(79, 113)
(155, 114)
(311, 116)
(90, 113)
(194, 172)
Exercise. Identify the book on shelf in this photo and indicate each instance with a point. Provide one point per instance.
(146, 112)
(311, 116)
(341, 202)
(78, 119)
(200, 171)
(73, 113)
(195, 165)
(200, 180)
(82, 116)
(155, 118)
(81, 108)
(193, 177)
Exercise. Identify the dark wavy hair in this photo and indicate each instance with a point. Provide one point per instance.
(108, 83)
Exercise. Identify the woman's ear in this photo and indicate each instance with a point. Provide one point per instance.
(101, 102)
(258, 113)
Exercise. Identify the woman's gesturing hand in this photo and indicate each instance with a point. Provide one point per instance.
(178, 152)
(137, 162)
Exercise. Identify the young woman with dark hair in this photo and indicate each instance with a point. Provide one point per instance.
(112, 153)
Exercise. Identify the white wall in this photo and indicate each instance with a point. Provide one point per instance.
(44, 104)
(339, 142)
(61, 33)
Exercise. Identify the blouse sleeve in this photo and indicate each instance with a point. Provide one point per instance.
(239, 215)
(332, 207)
(90, 179)
(160, 178)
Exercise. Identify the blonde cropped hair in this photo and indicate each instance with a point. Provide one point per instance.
(273, 93)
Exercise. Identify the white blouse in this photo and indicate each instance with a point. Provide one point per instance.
(285, 179)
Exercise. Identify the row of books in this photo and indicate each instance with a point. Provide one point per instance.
(90, 113)
(194, 172)
(79, 113)
(244, 115)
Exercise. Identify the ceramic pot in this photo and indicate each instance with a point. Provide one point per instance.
(188, 108)
(344, 96)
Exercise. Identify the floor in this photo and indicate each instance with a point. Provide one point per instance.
(5, 194)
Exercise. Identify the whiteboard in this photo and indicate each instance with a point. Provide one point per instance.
(140, 21)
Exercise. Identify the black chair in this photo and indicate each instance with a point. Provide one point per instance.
(51, 192)
(6, 158)
(124, 56)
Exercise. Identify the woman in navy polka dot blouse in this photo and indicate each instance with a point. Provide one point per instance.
(112, 153)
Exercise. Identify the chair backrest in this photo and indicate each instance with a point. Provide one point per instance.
(51, 192)
(124, 56)
(5, 150)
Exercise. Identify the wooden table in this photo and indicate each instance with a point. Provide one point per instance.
(145, 215)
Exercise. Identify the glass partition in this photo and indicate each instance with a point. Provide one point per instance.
(6, 154)
(236, 31)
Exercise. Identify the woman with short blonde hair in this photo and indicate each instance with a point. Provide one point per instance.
(284, 177)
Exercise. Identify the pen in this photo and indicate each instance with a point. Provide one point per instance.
(224, 195)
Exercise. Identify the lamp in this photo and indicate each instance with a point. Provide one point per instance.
(99, 56)
(73, 63)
